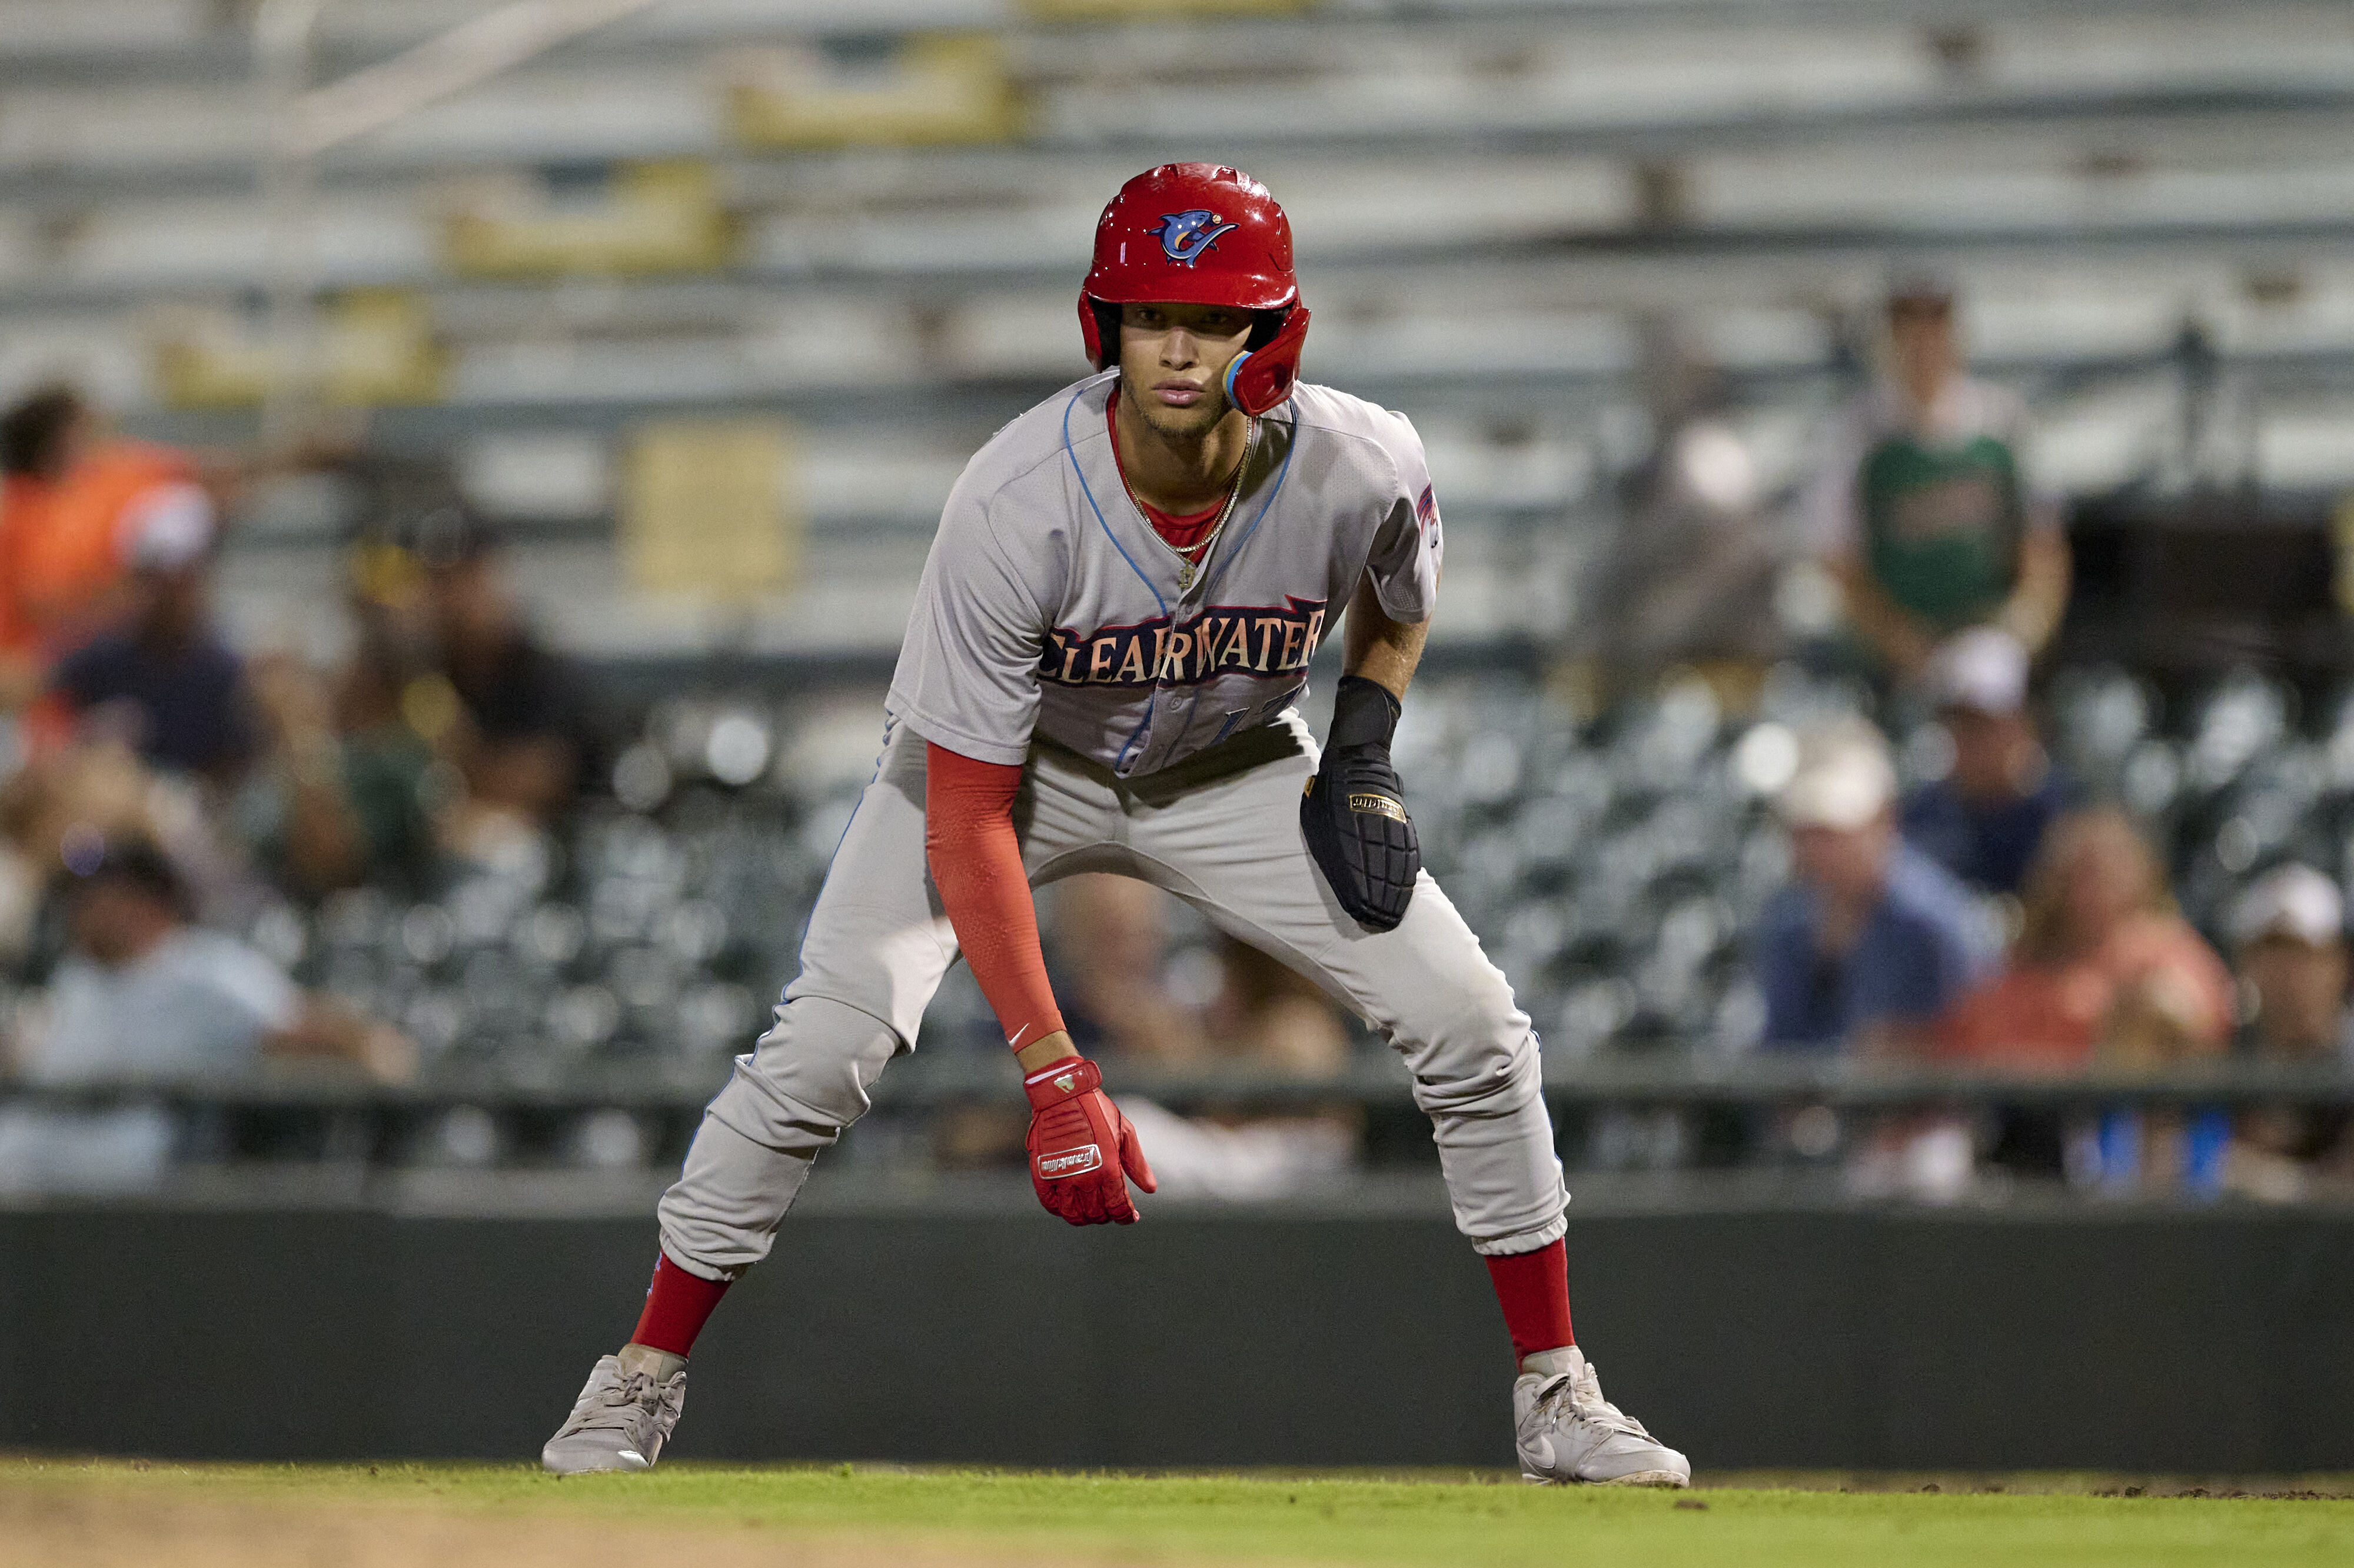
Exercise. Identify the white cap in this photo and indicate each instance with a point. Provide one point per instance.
(1844, 778)
(2290, 900)
(165, 527)
(1983, 670)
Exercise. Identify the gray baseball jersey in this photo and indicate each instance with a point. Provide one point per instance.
(1049, 606)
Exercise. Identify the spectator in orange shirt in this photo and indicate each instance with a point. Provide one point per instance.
(71, 501)
(2104, 965)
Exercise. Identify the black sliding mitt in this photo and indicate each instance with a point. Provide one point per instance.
(1353, 814)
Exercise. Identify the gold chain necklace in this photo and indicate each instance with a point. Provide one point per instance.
(1193, 557)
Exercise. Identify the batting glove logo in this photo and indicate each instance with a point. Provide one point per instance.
(1185, 235)
(1071, 1162)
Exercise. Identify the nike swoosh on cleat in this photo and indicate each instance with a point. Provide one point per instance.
(631, 1455)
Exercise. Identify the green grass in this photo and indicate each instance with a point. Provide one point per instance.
(1324, 1518)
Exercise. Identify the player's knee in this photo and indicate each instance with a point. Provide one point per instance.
(708, 1245)
(1490, 1068)
(721, 1214)
(811, 1071)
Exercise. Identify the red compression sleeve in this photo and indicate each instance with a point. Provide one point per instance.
(976, 863)
(1533, 1287)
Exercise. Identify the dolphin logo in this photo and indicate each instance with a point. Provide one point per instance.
(1185, 235)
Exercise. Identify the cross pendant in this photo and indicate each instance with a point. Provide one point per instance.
(1184, 577)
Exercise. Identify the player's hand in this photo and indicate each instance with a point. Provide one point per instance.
(1083, 1152)
(1353, 815)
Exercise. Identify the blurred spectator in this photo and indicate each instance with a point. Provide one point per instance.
(2289, 940)
(74, 502)
(449, 723)
(524, 740)
(1689, 574)
(164, 683)
(1873, 940)
(55, 801)
(70, 796)
(356, 788)
(1985, 819)
(1111, 942)
(474, 684)
(1271, 1015)
(2103, 963)
(145, 997)
(147, 994)
(347, 792)
(1921, 507)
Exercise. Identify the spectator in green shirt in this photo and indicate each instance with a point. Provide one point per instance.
(1922, 508)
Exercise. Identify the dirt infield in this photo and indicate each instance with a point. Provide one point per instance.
(112, 1526)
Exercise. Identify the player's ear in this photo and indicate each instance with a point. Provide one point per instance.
(1100, 330)
(1258, 379)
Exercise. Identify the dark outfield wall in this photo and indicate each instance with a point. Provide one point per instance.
(2198, 1342)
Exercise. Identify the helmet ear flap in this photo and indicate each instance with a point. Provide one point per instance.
(1100, 330)
(1258, 379)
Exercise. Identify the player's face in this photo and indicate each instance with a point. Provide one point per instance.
(1173, 359)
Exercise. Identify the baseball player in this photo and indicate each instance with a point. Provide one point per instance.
(1101, 673)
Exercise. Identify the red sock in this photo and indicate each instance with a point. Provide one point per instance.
(677, 1303)
(1533, 1290)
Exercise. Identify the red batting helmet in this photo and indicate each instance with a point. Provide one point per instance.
(1200, 233)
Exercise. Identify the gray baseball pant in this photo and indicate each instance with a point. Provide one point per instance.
(1220, 830)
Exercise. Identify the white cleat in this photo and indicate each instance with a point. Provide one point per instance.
(620, 1423)
(1569, 1434)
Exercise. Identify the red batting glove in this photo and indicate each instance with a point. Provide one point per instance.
(1083, 1152)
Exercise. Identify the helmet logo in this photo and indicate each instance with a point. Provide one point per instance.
(1185, 235)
